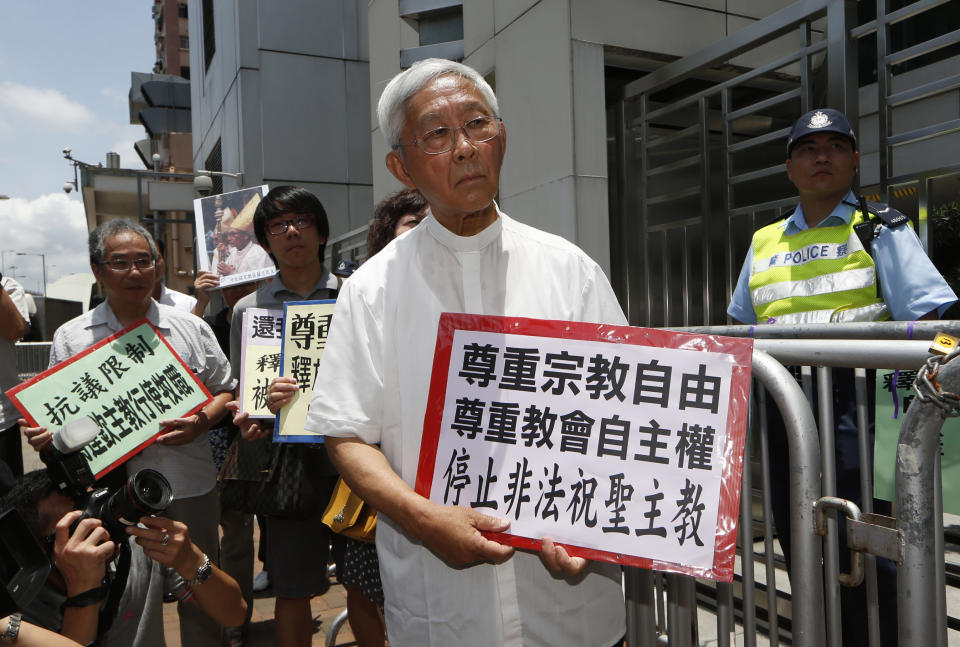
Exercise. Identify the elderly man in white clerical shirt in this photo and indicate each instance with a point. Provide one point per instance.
(444, 582)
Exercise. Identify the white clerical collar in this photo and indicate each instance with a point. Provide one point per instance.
(465, 243)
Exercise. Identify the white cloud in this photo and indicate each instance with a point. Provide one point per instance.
(53, 225)
(50, 106)
(114, 94)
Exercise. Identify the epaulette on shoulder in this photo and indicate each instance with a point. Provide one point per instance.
(776, 220)
(887, 214)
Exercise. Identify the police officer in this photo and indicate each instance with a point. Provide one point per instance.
(835, 258)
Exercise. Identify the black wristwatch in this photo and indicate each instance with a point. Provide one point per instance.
(203, 573)
(13, 630)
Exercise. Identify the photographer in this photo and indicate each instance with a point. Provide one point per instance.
(118, 598)
(291, 224)
(123, 258)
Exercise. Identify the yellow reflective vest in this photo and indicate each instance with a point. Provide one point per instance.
(817, 275)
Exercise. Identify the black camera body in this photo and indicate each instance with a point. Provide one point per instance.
(145, 493)
(24, 565)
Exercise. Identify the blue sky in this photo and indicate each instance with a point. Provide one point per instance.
(64, 76)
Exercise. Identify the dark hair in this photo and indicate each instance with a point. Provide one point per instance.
(289, 199)
(388, 213)
(25, 497)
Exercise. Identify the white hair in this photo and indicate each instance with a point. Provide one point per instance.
(392, 107)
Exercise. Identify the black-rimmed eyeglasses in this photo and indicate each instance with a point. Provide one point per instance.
(443, 139)
(127, 264)
(280, 227)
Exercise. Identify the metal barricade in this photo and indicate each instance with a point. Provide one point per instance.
(754, 603)
(32, 358)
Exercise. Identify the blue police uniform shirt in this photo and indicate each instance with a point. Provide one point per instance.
(910, 284)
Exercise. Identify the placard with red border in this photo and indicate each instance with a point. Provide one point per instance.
(643, 460)
(126, 382)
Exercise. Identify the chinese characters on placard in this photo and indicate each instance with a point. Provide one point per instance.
(894, 396)
(609, 446)
(306, 325)
(126, 384)
(261, 347)
(308, 337)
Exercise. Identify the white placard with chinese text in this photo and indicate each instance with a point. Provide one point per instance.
(620, 449)
(260, 358)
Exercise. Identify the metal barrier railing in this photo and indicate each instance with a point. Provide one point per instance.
(698, 143)
(914, 537)
(32, 358)
(351, 246)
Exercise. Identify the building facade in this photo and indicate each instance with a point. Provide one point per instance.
(548, 61)
(649, 131)
(280, 93)
(645, 131)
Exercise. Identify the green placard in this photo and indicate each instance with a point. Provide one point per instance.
(889, 417)
(126, 383)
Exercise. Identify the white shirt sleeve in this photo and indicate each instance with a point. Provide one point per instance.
(600, 303)
(347, 397)
(59, 348)
(18, 296)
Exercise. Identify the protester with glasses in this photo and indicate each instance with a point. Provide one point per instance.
(123, 259)
(291, 225)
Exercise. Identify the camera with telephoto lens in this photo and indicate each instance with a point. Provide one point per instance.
(24, 564)
(145, 493)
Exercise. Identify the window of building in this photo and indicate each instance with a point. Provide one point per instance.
(184, 42)
(182, 10)
(440, 26)
(214, 162)
(209, 44)
(185, 71)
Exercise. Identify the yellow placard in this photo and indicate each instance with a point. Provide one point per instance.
(305, 328)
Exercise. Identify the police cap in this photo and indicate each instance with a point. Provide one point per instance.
(821, 120)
